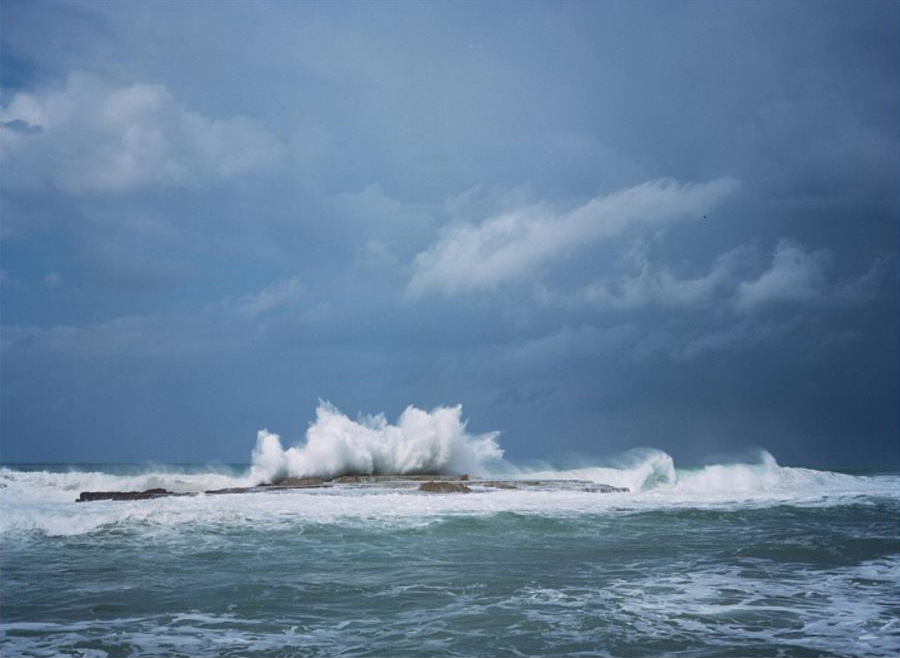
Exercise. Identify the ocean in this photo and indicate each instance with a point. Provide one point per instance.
(729, 559)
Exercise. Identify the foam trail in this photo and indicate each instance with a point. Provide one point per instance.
(420, 442)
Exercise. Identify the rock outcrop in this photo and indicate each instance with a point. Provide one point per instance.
(443, 486)
(380, 479)
(347, 479)
(606, 488)
(429, 483)
(495, 484)
(297, 483)
(124, 495)
(231, 490)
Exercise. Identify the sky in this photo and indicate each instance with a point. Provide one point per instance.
(596, 226)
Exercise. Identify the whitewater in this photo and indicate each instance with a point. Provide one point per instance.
(744, 557)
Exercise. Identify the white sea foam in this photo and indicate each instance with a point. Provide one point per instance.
(391, 507)
(654, 473)
(818, 611)
(420, 442)
(49, 486)
(639, 469)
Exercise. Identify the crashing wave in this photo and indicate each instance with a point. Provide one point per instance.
(420, 442)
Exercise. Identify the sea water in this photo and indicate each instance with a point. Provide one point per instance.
(736, 559)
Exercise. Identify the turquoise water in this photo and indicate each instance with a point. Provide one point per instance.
(791, 562)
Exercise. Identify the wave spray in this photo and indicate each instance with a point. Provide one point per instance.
(420, 442)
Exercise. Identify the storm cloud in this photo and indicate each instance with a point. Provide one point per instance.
(595, 226)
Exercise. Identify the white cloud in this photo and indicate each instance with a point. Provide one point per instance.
(512, 245)
(652, 286)
(92, 137)
(796, 275)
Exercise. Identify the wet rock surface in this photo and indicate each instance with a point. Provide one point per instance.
(428, 484)
(606, 488)
(378, 479)
(299, 482)
(231, 490)
(444, 487)
(124, 495)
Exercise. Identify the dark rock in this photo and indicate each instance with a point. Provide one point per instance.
(429, 478)
(379, 479)
(495, 484)
(230, 490)
(431, 484)
(444, 487)
(124, 495)
(299, 482)
(607, 488)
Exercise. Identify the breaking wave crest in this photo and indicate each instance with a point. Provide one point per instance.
(423, 442)
(653, 471)
(638, 469)
(420, 442)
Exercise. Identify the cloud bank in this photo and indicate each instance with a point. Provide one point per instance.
(800, 276)
(91, 136)
(511, 246)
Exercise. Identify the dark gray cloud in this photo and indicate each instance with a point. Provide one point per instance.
(595, 225)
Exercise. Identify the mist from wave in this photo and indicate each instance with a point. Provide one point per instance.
(438, 442)
(420, 442)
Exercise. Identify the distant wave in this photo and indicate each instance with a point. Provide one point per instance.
(653, 471)
(638, 469)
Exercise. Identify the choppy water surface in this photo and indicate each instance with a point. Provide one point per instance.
(730, 560)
